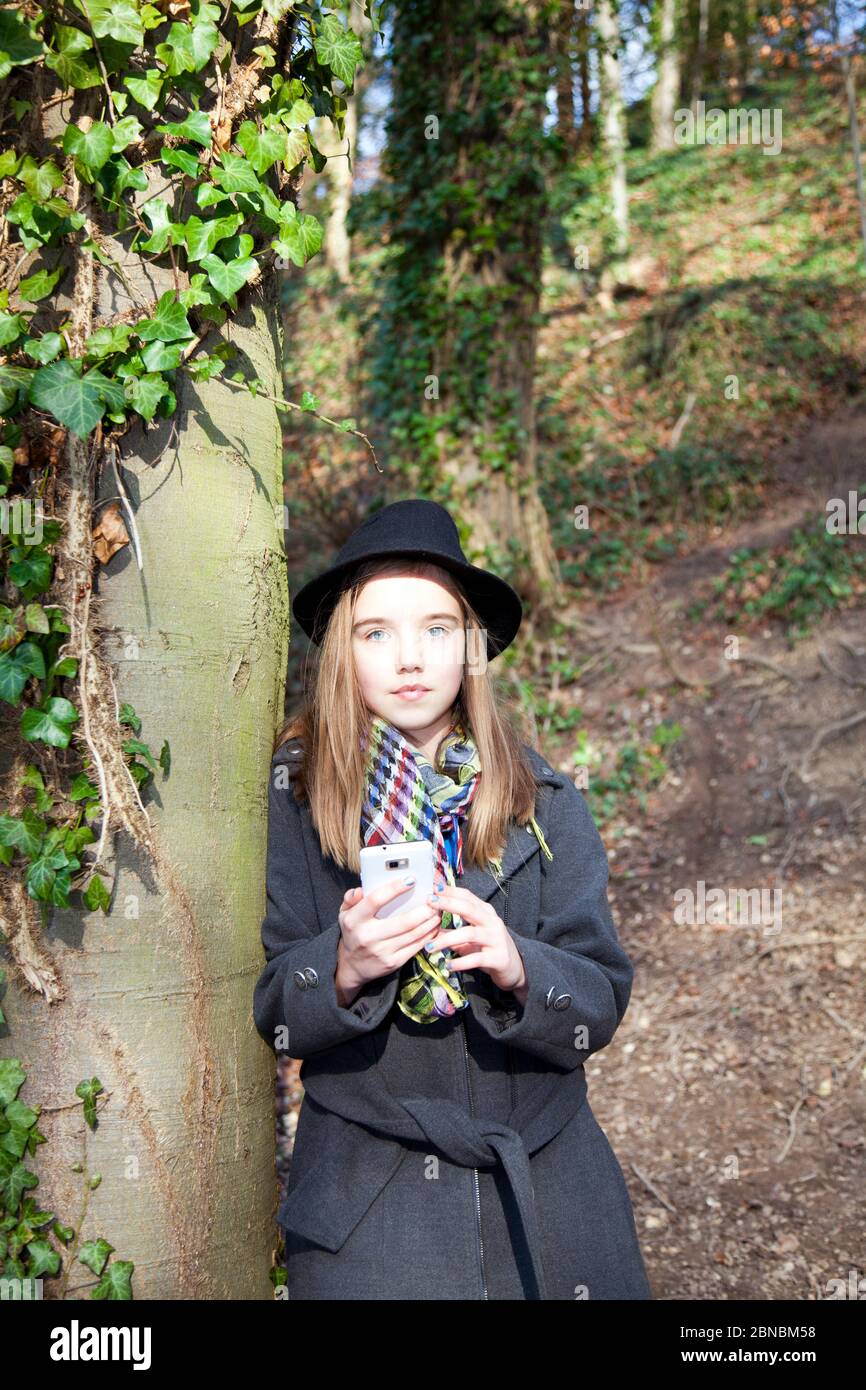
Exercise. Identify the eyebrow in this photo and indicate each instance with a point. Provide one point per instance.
(426, 619)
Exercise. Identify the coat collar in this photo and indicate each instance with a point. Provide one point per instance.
(520, 845)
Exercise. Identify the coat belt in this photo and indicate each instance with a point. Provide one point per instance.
(347, 1172)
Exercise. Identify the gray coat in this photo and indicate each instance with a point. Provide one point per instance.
(458, 1159)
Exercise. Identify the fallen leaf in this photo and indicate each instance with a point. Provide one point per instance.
(109, 534)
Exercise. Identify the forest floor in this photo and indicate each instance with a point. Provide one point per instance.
(733, 1093)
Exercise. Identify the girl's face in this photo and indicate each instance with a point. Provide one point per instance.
(408, 631)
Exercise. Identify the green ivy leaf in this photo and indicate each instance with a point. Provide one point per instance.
(39, 286)
(161, 357)
(23, 832)
(82, 789)
(195, 127)
(262, 148)
(339, 49)
(165, 758)
(93, 1253)
(67, 62)
(299, 239)
(203, 368)
(73, 400)
(235, 175)
(106, 341)
(168, 323)
(297, 148)
(30, 569)
(115, 19)
(299, 114)
(43, 349)
(134, 746)
(144, 394)
(202, 236)
(42, 1259)
(188, 47)
(207, 194)
(128, 177)
(14, 382)
(146, 90)
(92, 147)
(115, 1283)
(14, 1182)
(128, 716)
(158, 215)
(36, 618)
(96, 896)
(228, 277)
(181, 159)
(127, 132)
(19, 42)
(51, 724)
(12, 1078)
(11, 328)
(40, 180)
(16, 668)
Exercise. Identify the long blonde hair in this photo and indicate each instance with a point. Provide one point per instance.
(331, 774)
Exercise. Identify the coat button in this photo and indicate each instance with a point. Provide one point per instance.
(300, 979)
(562, 1002)
(550, 994)
(311, 977)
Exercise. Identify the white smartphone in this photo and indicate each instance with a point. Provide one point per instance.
(388, 863)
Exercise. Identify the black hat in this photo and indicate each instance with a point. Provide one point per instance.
(422, 530)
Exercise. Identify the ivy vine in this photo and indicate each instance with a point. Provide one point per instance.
(175, 132)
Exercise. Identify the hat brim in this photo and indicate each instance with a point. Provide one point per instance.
(497, 603)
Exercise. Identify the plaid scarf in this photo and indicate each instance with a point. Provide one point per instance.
(406, 798)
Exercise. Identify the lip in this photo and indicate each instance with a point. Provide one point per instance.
(412, 692)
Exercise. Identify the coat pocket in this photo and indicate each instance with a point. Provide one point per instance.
(338, 1188)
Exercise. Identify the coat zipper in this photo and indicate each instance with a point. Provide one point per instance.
(474, 1170)
(472, 1112)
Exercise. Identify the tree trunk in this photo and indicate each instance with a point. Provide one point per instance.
(466, 283)
(700, 52)
(566, 118)
(338, 249)
(614, 137)
(666, 90)
(155, 997)
(584, 40)
(341, 159)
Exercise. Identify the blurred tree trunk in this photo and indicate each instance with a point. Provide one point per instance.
(613, 126)
(566, 115)
(584, 44)
(466, 165)
(700, 54)
(666, 90)
(341, 159)
(338, 173)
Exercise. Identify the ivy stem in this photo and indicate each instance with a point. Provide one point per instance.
(293, 405)
(102, 69)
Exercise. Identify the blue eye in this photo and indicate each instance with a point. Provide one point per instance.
(372, 631)
(437, 627)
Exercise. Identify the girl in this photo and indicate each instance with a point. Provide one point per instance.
(445, 1147)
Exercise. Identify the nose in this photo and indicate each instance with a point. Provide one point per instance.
(409, 652)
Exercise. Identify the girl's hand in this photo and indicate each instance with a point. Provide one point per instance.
(370, 946)
(490, 944)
